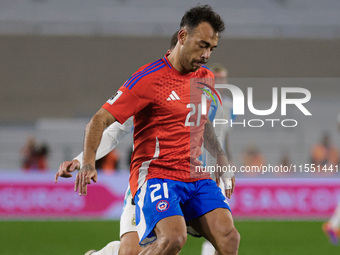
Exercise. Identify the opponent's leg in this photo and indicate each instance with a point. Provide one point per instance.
(171, 236)
(110, 249)
(217, 226)
(207, 248)
(129, 241)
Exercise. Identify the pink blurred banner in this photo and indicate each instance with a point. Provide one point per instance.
(36, 196)
(285, 198)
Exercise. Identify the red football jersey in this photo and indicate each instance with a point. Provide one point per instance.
(168, 124)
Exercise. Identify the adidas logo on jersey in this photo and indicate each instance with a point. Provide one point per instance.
(173, 96)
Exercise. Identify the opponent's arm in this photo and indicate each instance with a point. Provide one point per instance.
(110, 139)
(93, 134)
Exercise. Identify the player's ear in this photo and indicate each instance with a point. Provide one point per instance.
(182, 35)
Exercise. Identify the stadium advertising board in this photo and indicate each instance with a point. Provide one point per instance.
(36, 196)
(285, 198)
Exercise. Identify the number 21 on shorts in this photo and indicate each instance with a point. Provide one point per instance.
(156, 188)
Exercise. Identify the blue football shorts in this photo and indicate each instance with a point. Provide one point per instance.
(161, 198)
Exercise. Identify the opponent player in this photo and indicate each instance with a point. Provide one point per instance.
(160, 181)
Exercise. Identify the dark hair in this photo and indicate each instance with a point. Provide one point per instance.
(174, 39)
(202, 13)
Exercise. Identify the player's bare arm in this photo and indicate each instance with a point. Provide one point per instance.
(213, 146)
(93, 134)
(211, 143)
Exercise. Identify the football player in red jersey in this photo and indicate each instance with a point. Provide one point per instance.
(158, 96)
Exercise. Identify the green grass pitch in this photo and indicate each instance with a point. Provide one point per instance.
(76, 237)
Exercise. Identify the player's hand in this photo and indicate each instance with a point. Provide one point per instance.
(66, 168)
(84, 177)
(229, 192)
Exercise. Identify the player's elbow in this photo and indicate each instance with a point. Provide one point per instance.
(102, 118)
(87, 128)
(97, 121)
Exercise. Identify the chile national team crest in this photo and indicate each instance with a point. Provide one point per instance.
(162, 206)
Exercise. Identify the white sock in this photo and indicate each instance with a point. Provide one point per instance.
(110, 249)
(334, 221)
(207, 248)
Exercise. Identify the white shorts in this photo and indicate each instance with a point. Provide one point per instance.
(128, 217)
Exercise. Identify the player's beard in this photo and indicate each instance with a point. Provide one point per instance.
(189, 66)
(192, 65)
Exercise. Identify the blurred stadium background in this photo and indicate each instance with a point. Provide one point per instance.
(61, 60)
